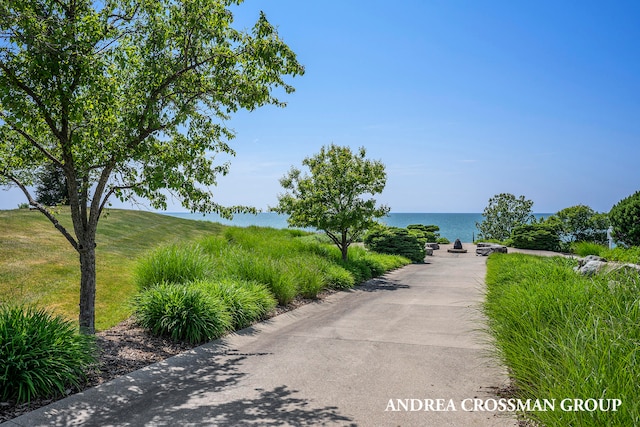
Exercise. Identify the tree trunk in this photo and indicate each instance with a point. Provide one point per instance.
(87, 316)
(344, 247)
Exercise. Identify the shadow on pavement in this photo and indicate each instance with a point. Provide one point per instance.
(381, 284)
(191, 392)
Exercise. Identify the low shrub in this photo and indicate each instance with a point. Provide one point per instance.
(40, 354)
(443, 240)
(395, 241)
(535, 236)
(172, 264)
(183, 312)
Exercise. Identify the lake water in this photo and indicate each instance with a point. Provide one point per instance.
(452, 225)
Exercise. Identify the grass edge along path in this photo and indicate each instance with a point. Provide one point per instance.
(566, 336)
(38, 266)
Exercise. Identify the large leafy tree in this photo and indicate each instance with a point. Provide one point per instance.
(333, 197)
(625, 220)
(128, 98)
(580, 223)
(504, 213)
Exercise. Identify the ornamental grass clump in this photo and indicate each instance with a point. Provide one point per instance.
(183, 312)
(566, 336)
(172, 264)
(247, 302)
(41, 355)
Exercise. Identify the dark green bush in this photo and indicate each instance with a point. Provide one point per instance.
(625, 220)
(396, 241)
(40, 354)
(182, 312)
(535, 236)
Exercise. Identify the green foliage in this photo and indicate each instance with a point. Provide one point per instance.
(23, 206)
(172, 264)
(396, 241)
(504, 213)
(128, 99)
(563, 335)
(625, 220)
(580, 224)
(535, 236)
(182, 312)
(443, 240)
(620, 254)
(40, 354)
(247, 302)
(588, 248)
(426, 228)
(330, 198)
(52, 186)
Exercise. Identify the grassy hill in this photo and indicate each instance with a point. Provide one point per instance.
(38, 265)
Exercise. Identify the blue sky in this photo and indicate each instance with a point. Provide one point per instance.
(461, 100)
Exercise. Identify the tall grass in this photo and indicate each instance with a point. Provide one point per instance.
(588, 248)
(238, 268)
(172, 264)
(182, 312)
(40, 354)
(566, 336)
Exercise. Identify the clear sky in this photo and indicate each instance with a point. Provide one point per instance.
(461, 100)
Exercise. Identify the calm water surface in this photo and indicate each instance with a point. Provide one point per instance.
(452, 225)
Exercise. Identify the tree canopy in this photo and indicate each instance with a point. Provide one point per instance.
(333, 196)
(128, 98)
(625, 220)
(503, 213)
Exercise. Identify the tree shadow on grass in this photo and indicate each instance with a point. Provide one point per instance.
(197, 388)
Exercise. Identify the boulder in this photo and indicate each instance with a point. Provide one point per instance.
(590, 267)
(486, 249)
(457, 244)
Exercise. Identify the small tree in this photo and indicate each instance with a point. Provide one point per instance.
(332, 197)
(625, 220)
(51, 189)
(503, 214)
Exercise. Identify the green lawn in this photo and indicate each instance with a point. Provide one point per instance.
(38, 265)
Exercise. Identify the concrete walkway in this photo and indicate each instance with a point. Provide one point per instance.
(352, 360)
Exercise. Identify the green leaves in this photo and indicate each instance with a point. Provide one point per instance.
(129, 98)
(503, 214)
(332, 197)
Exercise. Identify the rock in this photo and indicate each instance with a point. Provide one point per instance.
(428, 251)
(590, 267)
(486, 249)
(593, 258)
(434, 246)
(457, 244)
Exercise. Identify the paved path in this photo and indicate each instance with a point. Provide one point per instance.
(413, 334)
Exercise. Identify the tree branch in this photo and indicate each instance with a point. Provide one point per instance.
(43, 209)
(32, 140)
(31, 93)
